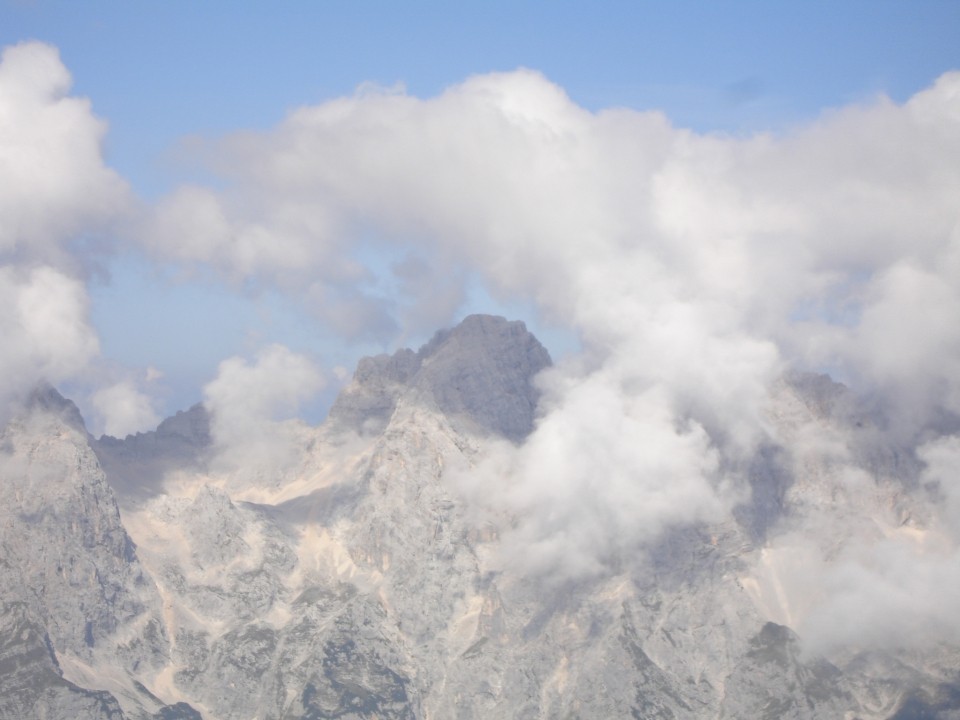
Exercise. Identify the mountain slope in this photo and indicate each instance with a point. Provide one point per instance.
(361, 581)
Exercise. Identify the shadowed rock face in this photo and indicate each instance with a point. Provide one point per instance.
(138, 463)
(480, 372)
(31, 684)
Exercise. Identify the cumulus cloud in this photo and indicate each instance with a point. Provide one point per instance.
(252, 403)
(908, 340)
(45, 329)
(941, 458)
(57, 189)
(694, 267)
(886, 594)
(632, 231)
(123, 409)
(58, 199)
(867, 553)
(849, 589)
(604, 474)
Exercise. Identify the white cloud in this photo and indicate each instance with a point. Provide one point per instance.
(867, 553)
(908, 338)
(889, 594)
(941, 458)
(56, 186)
(59, 200)
(693, 267)
(249, 403)
(604, 474)
(45, 329)
(124, 410)
(604, 219)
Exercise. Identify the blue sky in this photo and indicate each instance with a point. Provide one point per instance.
(163, 75)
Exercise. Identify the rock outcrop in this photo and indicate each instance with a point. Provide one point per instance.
(480, 372)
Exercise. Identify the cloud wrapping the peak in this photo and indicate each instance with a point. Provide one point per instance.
(600, 218)
(693, 267)
(45, 329)
(605, 473)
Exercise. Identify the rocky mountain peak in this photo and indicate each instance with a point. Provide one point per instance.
(480, 371)
(46, 400)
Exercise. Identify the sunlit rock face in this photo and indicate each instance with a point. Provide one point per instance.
(362, 580)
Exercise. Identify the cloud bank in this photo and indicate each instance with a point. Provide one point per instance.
(705, 259)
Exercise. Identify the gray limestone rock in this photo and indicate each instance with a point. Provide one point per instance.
(480, 371)
(138, 463)
(771, 682)
(31, 681)
(66, 552)
(46, 401)
(368, 402)
(484, 369)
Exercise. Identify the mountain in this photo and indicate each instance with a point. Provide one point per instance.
(76, 600)
(478, 375)
(146, 578)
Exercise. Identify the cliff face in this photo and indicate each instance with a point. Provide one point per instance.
(362, 583)
(31, 681)
(74, 589)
